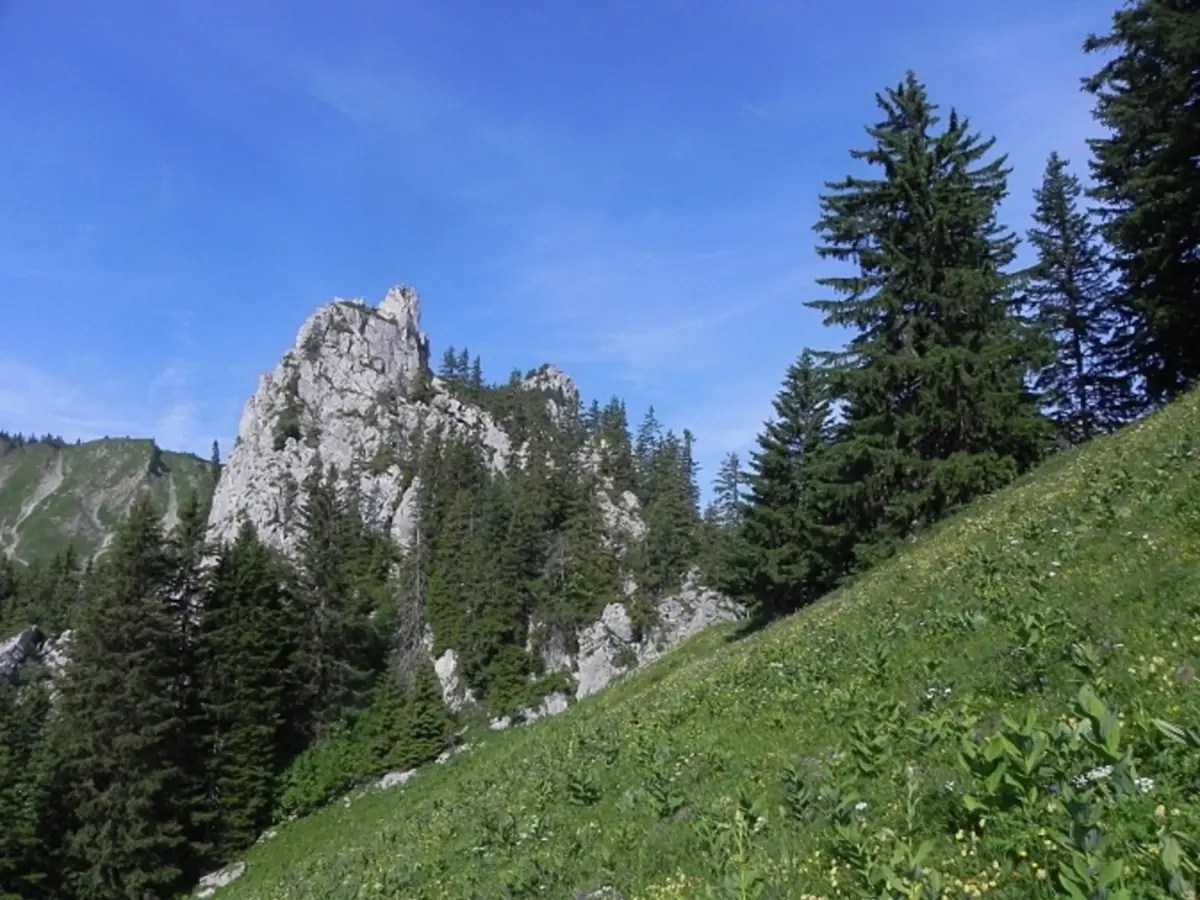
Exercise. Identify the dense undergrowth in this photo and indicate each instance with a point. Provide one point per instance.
(1008, 708)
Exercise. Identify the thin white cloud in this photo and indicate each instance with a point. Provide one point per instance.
(35, 401)
(93, 404)
(368, 98)
(177, 427)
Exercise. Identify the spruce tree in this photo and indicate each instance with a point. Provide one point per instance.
(786, 553)
(408, 723)
(186, 548)
(616, 452)
(1070, 299)
(333, 658)
(1147, 182)
(244, 651)
(721, 522)
(672, 520)
(449, 367)
(589, 577)
(122, 728)
(645, 450)
(31, 865)
(933, 384)
(728, 487)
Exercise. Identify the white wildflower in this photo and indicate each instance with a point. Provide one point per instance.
(1097, 774)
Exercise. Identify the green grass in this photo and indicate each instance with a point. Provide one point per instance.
(100, 480)
(921, 728)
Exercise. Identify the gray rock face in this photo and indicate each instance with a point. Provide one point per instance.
(355, 392)
(395, 779)
(210, 883)
(344, 394)
(608, 650)
(17, 650)
(455, 694)
(32, 647)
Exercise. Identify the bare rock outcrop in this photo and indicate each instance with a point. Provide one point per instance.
(353, 393)
(356, 393)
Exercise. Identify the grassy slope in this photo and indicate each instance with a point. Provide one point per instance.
(99, 480)
(657, 785)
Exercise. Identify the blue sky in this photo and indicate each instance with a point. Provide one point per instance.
(625, 189)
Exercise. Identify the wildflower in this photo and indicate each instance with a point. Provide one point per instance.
(860, 805)
(1145, 785)
(1097, 774)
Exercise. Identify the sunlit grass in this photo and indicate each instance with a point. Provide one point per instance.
(834, 752)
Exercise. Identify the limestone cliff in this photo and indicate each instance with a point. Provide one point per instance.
(356, 393)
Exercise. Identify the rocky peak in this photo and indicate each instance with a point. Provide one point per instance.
(356, 393)
(553, 380)
(345, 394)
(563, 394)
(403, 305)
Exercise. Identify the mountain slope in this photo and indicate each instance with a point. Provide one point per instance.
(519, 516)
(816, 758)
(54, 495)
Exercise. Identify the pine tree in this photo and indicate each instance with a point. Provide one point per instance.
(672, 520)
(449, 368)
(933, 385)
(186, 589)
(408, 723)
(786, 553)
(244, 650)
(1071, 300)
(334, 658)
(215, 459)
(8, 593)
(689, 468)
(727, 493)
(1148, 184)
(30, 846)
(589, 577)
(493, 656)
(121, 725)
(645, 450)
(591, 419)
(616, 452)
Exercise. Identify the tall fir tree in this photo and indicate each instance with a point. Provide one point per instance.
(1147, 181)
(186, 549)
(725, 511)
(616, 451)
(671, 541)
(1083, 388)
(31, 859)
(645, 450)
(244, 650)
(786, 553)
(933, 384)
(122, 726)
(333, 659)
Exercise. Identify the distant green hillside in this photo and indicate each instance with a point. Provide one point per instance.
(52, 496)
(975, 717)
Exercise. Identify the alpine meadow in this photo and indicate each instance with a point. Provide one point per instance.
(423, 633)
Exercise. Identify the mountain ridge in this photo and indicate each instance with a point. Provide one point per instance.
(55, 495)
